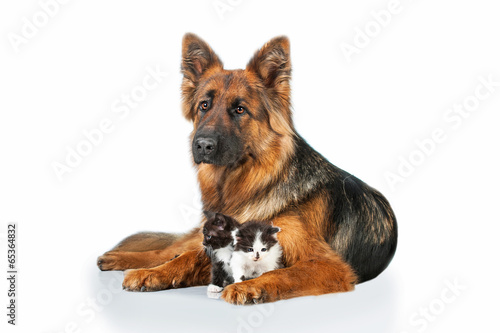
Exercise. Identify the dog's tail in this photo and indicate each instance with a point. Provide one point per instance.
(147, 241)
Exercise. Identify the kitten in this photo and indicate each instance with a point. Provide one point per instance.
(219, 244)
(256, 250)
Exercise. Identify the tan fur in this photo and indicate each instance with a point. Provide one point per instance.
(129, 254)
(147, 241)
(192, 268)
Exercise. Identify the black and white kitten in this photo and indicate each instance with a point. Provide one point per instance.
(256, 251)
(219, 244)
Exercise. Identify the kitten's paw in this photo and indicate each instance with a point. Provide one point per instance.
(214, 291)
(212, 288)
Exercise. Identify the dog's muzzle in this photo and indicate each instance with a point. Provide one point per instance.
(205, 149)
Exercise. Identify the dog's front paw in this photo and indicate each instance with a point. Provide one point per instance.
(244, 293)
(146, 280)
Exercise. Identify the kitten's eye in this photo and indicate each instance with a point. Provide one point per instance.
(250, 249)
(204, 106)
(240, 110)
(264, 249)
(208, 237)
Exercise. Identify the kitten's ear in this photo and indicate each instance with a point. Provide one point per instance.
(220, 221)
(208, 215)
(274, 230)
(236, 236)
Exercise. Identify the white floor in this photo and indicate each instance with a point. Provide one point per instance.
(370, 308)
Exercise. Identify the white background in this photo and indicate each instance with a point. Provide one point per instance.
(364, 116)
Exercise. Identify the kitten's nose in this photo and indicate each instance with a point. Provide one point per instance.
(257, 256)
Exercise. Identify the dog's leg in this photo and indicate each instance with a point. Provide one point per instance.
(191, 268)
(312, 269)
(128, 254)
(313, 277)
(122, 260)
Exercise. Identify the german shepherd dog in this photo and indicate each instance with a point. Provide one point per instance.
(336, 230)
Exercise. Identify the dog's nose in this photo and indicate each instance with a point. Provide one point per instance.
(205, 146)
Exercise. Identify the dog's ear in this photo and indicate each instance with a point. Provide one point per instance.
(272, 63)
(197, 58)
(273, 66)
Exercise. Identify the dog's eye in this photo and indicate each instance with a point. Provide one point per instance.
(240, 110)
(204, 106)
(264, 249)
(250, 249)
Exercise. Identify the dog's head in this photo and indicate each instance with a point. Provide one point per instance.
(237, 114)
